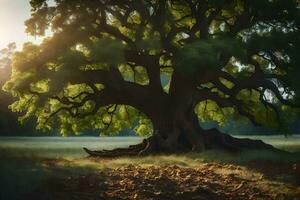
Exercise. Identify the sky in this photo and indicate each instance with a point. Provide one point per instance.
(13, 13)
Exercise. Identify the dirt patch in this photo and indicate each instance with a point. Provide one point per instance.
(210, 181)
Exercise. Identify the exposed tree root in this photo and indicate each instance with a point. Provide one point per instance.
(213, 140)
(216, 140)
(132, 150)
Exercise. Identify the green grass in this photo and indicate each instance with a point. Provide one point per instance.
(71, 147)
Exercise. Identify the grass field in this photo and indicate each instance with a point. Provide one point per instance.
(26, 163)
(71, 147)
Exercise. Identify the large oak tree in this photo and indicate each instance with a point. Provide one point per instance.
(160, 66)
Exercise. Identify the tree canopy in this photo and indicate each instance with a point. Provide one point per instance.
(113, 64)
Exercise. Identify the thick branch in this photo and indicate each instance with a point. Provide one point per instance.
(226, 102)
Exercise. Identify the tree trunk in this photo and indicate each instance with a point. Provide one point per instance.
(179, 132)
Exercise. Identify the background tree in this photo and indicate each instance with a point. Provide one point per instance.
(160, 65)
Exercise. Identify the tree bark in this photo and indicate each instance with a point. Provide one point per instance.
(176, 125)
(181, 133)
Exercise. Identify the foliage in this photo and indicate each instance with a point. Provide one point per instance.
(104, 65)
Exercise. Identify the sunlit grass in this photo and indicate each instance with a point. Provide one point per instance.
(192, 160)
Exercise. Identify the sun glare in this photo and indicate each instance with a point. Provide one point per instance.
(12, 15)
